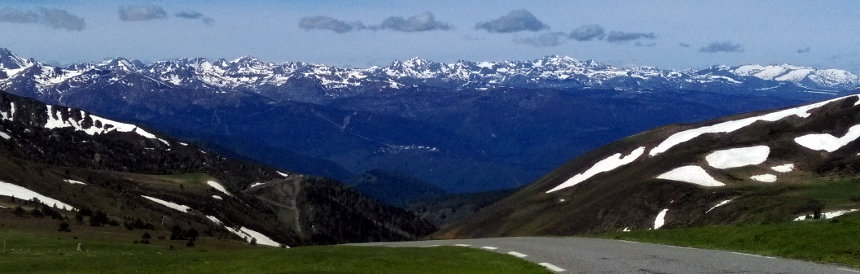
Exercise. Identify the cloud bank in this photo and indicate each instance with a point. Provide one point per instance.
(425, 21)
(189, 15)
(193, 15)
(619, 36)
(587, 33)
(514, 21)
(61, 19)
(12, 15)
(550, 39)
(421, 22)
(50, 17)
(328, 23)
(141, 13)
(726, 46)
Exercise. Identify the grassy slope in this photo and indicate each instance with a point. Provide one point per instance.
(55, 252)
(825, 241)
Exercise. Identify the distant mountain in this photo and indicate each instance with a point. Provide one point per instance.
(446, 210)
(393, 188)
(464, 127)
(72, 159)
(785, 165)
(322, 83)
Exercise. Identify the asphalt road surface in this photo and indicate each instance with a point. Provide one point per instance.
(584, 255)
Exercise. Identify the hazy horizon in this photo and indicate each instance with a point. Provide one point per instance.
(665, 34)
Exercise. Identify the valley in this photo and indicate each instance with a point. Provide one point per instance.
(424, 156)
(463, 127)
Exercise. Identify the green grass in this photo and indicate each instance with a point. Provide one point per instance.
(839, 192)
(825, 241)
(55, 252)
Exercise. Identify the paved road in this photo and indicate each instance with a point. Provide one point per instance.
(583, 255)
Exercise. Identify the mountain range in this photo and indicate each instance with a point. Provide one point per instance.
(463, 127)
(279, 81)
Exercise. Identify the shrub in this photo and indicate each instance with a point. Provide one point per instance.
(145, 238)
(64, 226)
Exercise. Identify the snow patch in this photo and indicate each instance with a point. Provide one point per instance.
(828, 142)
(604, 165)
(5, 135)
(691, 174)
(283, 174)
(721, 203)
(55, 121)
(487, 65)
(783, 168)
(660, 220)
(214, 219)
(219, 187)
(172, 205)
(74, 182)
(827, 215)
(9, 116)
(834, 214)
(738, 157)
(765, 178)
(248, 235)
(256, 184)
(731, 126)
(7, 189)
(216, 197)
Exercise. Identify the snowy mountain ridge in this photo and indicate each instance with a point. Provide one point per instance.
(248, 74)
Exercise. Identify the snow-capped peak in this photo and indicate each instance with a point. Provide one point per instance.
(562, 72)
(9, 60)
(830, 78)
(121, 64)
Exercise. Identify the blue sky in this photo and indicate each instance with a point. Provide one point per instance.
(666, 34)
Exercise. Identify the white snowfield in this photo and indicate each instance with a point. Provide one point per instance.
(74, 182)
(107, 125)
(10, 115)
(731, 126)
(248, 235)
(604, 165)
(178, 207)
(7, 189)
(660, 220)
(691, 174)
(765, 178)
(834, 214)
(721, 203)
(219, 187)
(828, 142)
(214, 219)
(783, 168)
(827, 215)
(738, 157)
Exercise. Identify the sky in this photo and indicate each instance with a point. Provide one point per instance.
(665, 34)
